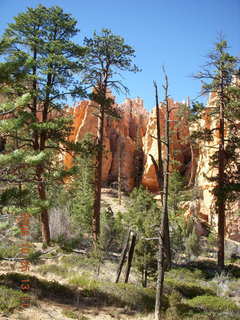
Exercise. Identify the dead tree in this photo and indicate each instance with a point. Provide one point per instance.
(130, 256)
(158, 166)
(123, 257)
(164, 219)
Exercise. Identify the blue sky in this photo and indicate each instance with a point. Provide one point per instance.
(175, 33)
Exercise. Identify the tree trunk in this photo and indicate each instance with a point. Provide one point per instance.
(193, 164)
(144, 277)
(163, 240)
(221, 198)
(130, 257)
(160, 163)
(123, 257)
(44, 212)
(98, 179)
(159, 171)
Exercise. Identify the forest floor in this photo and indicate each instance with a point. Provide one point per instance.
(67, 287)
(70, 285)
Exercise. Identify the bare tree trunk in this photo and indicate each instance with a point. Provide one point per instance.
(220, 197)
(130, 257)
(160, 163)
(144, 276)
(159, 173)
(164, 220)
(123, 257)
(44, 212)
(192, 174)
(98, 179)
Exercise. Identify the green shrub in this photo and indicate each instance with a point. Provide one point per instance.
(53, 268)
(184, 274)
(208, 268)
(89, 285)
(10, 299)
(39, 288)
(178, 311)
(4, 225)
(211, 303)
(34, 256)
(70, 314)
(9, 251)
(175, 298)
(68, 244)
(192, 245)
(189, 289)
(120, 295)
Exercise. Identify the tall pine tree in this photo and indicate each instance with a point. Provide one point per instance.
(42, 62)
(217, 77)
(107, 54)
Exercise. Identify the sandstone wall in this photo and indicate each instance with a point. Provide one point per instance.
(136, 130)
(126, 134)
(205, 204)
(179, 148)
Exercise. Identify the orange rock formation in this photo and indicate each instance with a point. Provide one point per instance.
(126, 133)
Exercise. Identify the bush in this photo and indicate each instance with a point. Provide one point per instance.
(53, 268)
(189, 289)
(40, 288)
(10, 299)
(68, 244)
(119, 295)
(192, 245)
(70, 314)
(10, 251)
(211, 303)
(184, 274)
(4, 225)
(89, 285)
(76, 260)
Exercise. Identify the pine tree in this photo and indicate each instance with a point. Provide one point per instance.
(81, 190)
(218, 76)
(107, 54)
(143, 218)
(41, 60)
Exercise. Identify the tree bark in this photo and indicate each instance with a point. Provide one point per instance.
(98, 178)
(160, 162)
(44, 212)
(123, 257)
(130, 257)
(162, 239)
(158, 166)
(193, 164)
(221, 198)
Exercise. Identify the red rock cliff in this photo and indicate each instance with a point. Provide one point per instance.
(126, 133)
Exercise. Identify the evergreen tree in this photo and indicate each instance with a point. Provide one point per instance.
(81, 191)
(217, 78)
(143, 217)
(41, 60)
(107, 54)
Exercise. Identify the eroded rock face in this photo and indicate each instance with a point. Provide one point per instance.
(125, 134)
(179, 147)
(205, 201)
(134, 134)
